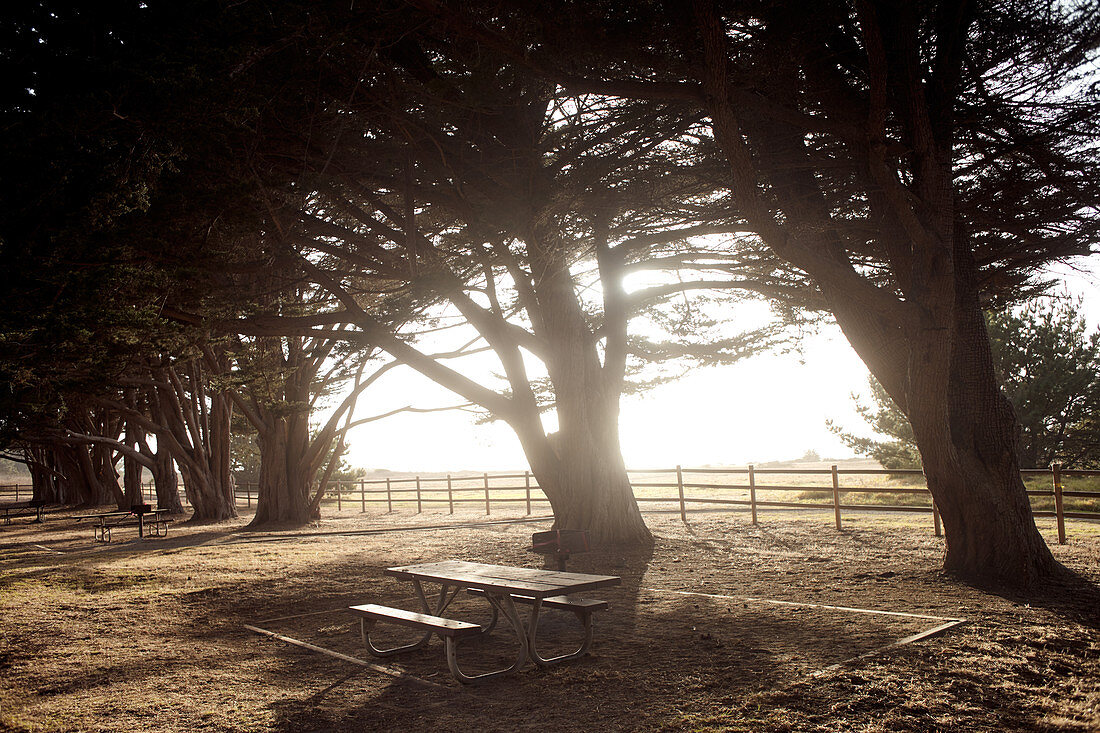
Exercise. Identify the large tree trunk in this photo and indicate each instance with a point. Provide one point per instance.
(285, 477)
(975, 476)
(132, 470)
(580, 468)
(589, 488)
(42, 464)
(73, 483)
(967, 434)
(286, 467)
(582, 473)
(131, 481)
(195, 429)
(586, 482)
(221, 462)
(990, 532)
(207, 480)
(923, 337)
(166, 483)
(100, 477)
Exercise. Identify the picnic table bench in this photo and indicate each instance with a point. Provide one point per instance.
(503, 587)
(560, 544)
(32, 508)
(141, 516)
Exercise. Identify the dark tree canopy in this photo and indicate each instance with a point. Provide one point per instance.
(896, 165)
(912, 159)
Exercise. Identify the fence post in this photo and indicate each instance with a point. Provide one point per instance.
(339, 506)
(752, 491)
(680, 486)
(486, 493)
(836, 496)
(1059, 509)
(450, 495)
(248, 493)
(362, 496)
(418, 507)
(389, 497)
(527, 488)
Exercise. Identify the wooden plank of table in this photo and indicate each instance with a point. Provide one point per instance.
(535, 590)
(525, 581)
(105, 515)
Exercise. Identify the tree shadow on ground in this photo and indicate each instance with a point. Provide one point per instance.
(504, 703)
(1071, 596)
(654, 651)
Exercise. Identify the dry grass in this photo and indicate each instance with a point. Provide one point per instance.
(149, 635)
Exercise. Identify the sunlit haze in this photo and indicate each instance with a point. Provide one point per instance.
(769, 407)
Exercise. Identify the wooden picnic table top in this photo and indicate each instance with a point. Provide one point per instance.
(530, 582)
(121, 513)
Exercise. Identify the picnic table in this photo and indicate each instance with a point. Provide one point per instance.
(13, 509)
(134, 516)
(503, 587)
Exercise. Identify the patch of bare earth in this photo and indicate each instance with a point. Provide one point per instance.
(722, 626)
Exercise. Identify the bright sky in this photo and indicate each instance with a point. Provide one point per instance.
(769, 407)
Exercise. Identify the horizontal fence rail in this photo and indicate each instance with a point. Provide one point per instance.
(696, 490)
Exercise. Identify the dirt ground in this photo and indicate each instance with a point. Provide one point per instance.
(723, 626)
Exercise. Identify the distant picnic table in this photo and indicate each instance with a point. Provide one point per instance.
(141, 516)
(32, 508)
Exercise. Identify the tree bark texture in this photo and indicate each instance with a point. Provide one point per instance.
(166, 483)
(131, 480)
(285, 472)
(45, 484)
(103, 478)
(195, 427)
(580, 468)
(75, 484)
(975, 479)
(966, 431)
(278, 408)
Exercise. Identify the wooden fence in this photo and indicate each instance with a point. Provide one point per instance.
(696, 490)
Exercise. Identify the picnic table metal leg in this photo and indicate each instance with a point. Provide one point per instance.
(508, 608)
(585, 617)
(446, 595)
(492, 624)
(487, 628)
(366, 624)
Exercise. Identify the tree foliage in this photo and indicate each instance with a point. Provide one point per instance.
(1049, 365)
